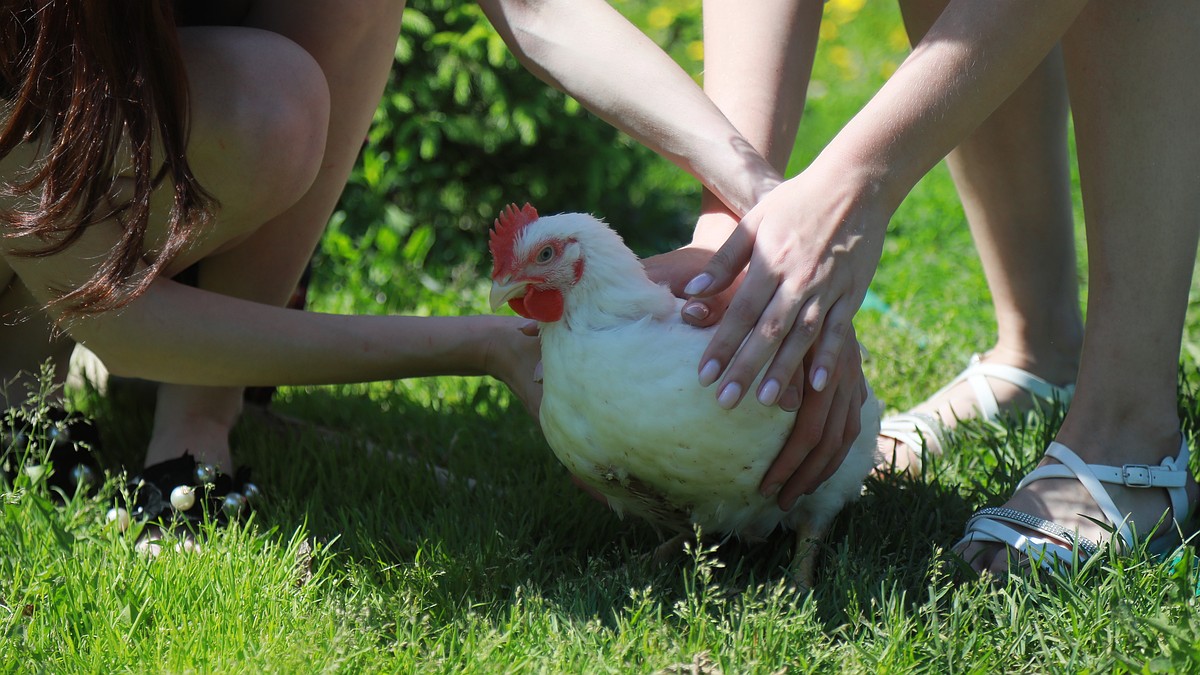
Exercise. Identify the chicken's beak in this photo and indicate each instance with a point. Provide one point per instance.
(506, 289)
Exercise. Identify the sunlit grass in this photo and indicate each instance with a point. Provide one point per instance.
(364, 557)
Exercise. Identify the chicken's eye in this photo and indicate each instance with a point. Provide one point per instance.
(545, 254)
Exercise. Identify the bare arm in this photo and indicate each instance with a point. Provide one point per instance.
(178, 334)
(825, 227)
(588, 50)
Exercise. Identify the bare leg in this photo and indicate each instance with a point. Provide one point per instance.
(26, 341)
(1129, 66)
(1012, 176)
(255, 144)
(353, 43)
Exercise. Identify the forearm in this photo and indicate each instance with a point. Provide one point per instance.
(757, 62)
(588, 50)
(758, 57)
(968, 63)
(178, 334)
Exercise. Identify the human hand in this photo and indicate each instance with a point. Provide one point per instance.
(827, 424)
(810, 249)
(514, 356)
(676, 268)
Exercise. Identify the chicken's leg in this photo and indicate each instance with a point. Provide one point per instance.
(805, 555)
(671, 549)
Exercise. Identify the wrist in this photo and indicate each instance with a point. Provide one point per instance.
(739, 178)
(875, 182)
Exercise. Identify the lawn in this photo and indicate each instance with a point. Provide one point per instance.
(364, 558)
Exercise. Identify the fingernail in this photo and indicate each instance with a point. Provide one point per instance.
(771, 490)
(729, 395)
(537, 372)
(698, 284)
(768, 393)
(820, 378)
(710, 372)
(696, 310)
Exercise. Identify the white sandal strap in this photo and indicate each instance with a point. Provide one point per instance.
(1170, 475)
(1046, 552)
(976, 375)
(916, 430)
(1046, 527)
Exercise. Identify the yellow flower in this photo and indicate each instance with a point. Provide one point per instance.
(829, 30)
(848, 6)
(898, 39)
(840, 56)
(695, 50)
(845, 61)
(660, 17)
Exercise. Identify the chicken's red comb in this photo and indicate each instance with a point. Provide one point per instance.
(504, 232)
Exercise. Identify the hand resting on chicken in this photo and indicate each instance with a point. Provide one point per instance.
(622, 408)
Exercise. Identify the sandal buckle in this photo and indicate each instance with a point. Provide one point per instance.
(1137, 475)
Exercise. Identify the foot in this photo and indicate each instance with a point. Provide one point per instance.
(175, 497)
(998, 383)
(1073, 511)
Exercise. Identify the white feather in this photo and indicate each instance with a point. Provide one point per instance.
(623, 410)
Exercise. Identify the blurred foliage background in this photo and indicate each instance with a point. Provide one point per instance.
(463, 130)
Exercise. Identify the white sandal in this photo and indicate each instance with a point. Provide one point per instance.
(923, 432)
(1060, 545)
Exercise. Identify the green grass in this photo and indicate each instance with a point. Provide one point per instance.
(358, 562)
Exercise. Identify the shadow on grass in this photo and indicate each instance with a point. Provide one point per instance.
(359, 472)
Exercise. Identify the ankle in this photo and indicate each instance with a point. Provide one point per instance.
(1055, 362)
(1115, 443)
(207, 442)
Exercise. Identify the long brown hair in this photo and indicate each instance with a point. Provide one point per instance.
(80, 77)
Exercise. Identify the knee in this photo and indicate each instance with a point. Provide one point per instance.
(284, 121)
(260, 115)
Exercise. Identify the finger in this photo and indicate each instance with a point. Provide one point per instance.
(787, 368)
(725, 265)
(838, 325)
(853, 428)
(805, 437)
(748, 305)
(778, 325)
(760, 346)
(705, 312)
(792, 397)
(831, 448)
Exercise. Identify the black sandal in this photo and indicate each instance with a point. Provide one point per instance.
(184, 491)
(65, 441)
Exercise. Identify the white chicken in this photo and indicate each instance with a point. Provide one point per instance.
(622, 407)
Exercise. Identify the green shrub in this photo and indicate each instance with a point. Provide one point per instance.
(463, 130)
